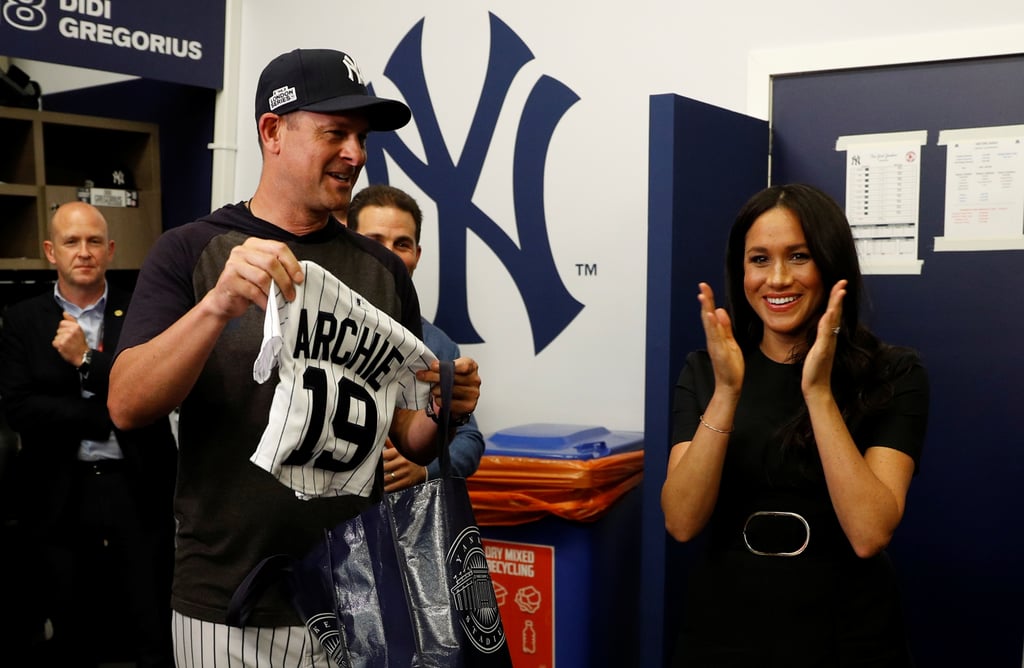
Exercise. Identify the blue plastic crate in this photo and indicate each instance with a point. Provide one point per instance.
(562, 441)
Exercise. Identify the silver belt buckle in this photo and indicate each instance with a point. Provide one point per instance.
(777, 513)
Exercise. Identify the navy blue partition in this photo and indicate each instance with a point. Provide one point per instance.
(959, 550)
(704, 163)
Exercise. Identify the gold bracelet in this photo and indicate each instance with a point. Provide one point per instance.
(714, 429)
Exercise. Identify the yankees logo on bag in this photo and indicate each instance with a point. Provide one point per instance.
(473, 593)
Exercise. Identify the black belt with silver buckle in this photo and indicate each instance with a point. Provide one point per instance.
(101, 466)
(776, 533)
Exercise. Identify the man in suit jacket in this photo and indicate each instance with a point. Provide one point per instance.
(93, 504)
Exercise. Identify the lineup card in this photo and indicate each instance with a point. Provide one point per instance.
(883, 194)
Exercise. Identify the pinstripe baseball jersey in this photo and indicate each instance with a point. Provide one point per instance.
(343, 367)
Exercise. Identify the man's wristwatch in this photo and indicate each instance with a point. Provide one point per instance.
(453, 420)
(86, 364)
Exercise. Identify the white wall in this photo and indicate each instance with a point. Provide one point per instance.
(614, 56)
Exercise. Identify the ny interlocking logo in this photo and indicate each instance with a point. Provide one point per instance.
(353, 70)
(451, 183)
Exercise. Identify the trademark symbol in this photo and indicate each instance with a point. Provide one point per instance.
(586, 269)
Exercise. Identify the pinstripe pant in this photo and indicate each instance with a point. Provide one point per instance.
(201, 644)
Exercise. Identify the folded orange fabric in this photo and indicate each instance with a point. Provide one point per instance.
(515, 490)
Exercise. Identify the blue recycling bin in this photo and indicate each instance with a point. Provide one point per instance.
(592, 568)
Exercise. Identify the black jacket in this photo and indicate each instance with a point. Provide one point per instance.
(42, 400)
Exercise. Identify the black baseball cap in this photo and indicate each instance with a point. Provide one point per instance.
(325, 81)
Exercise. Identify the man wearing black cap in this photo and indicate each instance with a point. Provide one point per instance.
(195, 328)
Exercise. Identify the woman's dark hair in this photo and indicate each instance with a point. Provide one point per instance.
(831, 244)
(862, 372)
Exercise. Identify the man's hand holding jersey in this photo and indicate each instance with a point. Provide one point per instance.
(248, 277)
(250, 273)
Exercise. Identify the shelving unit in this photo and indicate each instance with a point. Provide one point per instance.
(45, 157)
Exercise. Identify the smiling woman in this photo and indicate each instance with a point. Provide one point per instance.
(819, 242)
(781, 281)
(797, 432)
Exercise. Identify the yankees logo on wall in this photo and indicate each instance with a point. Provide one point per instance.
(531, 264)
